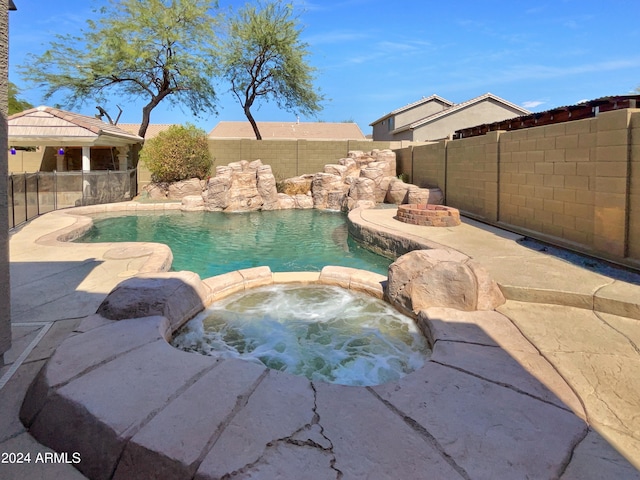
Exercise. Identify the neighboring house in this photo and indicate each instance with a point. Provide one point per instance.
(384, 127)
(289, 131)
(434, 118)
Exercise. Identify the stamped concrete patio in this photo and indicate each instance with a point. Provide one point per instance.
(546, 387)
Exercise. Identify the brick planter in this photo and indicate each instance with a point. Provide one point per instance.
(428, 215)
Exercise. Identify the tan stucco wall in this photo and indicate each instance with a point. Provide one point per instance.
(575, 184)
(486, 111)
(24, 161)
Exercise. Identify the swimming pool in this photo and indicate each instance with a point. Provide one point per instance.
(213, 243)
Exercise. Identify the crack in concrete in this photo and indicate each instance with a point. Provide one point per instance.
(103, 362)
(241, 401)
(316, 419)
(504, 385)
(424, 433)
(567, 460)
(135, 427)
(631, 342)
(290, 440)
(554, 367)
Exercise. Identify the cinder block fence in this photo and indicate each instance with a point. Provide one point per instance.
(575, 184)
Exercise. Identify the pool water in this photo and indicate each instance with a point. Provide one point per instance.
(321, 332)
(212, 243)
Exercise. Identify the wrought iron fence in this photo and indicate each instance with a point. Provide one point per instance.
(32, 194)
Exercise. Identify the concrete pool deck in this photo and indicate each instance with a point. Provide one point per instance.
(475, 411)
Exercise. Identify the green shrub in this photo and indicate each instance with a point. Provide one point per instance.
(178, 153)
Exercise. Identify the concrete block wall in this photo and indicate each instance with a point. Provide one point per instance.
(575, 184)
(313, 155)
(611, 182)
(472, 176)
(429, 165)
(633, 240)
(404, 163)
(547, 179)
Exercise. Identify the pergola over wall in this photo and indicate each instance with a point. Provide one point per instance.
(62, 130)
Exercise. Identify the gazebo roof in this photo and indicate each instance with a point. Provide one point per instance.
(47, 126)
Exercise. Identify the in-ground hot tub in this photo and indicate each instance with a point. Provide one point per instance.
(428, 215)
(322, 332)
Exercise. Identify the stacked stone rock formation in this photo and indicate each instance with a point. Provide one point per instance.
(440, 278)
(360, 180)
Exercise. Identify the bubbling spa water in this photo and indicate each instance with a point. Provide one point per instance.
(321, 332)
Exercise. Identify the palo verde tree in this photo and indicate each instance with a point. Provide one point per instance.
(16, 105)
(150, 49)
(263, 57)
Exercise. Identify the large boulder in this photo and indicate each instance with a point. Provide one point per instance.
(336, 198)
(377, 172)
(387, 157)
(297, 185)
(179, 190)
(336, 169)
(216, 197)
(156, 191)
(440, 278)
(431, 196)
(285, 202)
(243, 194)
(303, 201)
(177, 296)
(398, 191)
(266, 184)
(351, 166)
(192, 203)
(235, 188)
(363, 188)
(325, 189)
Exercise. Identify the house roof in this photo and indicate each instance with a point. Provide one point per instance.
(152, 130)
(289, 130)
(409, 106)
(567, 113)
(460, 106)
(51, 126)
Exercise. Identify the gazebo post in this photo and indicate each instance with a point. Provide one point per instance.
(86, 159)
(60, 166)
(123, 153)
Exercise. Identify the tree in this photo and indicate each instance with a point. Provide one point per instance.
(16, 105)
(264, 58)
(153, 49)
(177, 153)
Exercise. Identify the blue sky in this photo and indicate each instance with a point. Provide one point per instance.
(374, 56)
